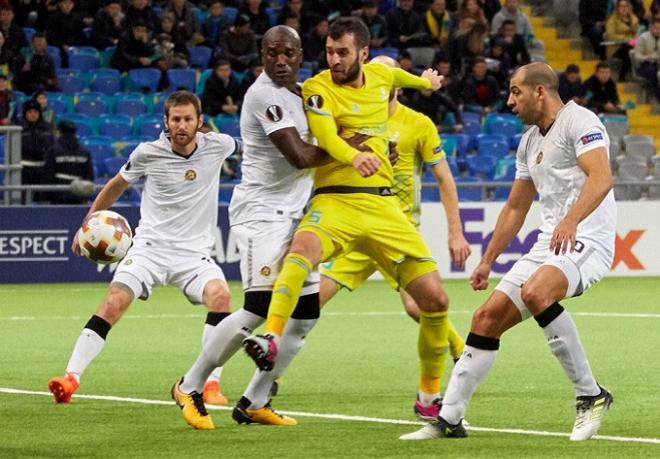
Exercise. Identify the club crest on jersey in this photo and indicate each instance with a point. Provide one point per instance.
(265, 271)
(274, 113)
(539, 157)
(315, 101)
(190, 175)
(591, 138)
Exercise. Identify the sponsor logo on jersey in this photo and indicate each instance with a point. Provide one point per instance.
(190, 175)
(265, 271)
(539, 157)
(591, 138)
(315, 101)
(356, 108)
(274, 113)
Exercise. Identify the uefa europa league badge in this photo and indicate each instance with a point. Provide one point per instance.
(539, 157)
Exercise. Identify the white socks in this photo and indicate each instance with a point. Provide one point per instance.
(87, 347)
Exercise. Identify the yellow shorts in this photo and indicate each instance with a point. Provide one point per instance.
(373, 225)
(352, 269)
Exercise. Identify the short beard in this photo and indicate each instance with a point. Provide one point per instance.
(352, 73)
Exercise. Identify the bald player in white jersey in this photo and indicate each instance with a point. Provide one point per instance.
(174, 238)
(564, 157)
(264, 211)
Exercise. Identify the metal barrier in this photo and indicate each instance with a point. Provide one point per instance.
(11, 165)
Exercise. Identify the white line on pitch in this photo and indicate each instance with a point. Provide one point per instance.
(341, 417)
(627, 315)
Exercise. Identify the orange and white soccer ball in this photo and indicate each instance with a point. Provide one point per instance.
(104, 237)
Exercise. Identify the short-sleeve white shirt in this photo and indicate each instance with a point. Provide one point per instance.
(179, 206)
(550, 161)
(271, 189)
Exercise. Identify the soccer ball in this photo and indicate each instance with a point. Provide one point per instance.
(104, 237)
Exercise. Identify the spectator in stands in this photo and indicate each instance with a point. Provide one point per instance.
(67, 161)
(88, 9)
(108, 25)
(468, 14)
(620, 28)
(480, 92)
(592, 17)
(466, 46)
(405, 27)
(215, 24)
(256, 67)
(6, 53)
(647, 55)
(141, 11)
(258, 18)
(374, 21)
(47, 114)
(15, 38)
(185, 21)
(7, 101)
(601, 93)
(292, 20)
(239, 43)
(35, 141)
(513, 44)
(134, 49)
(222, 92)
(511, 10)
(65, 29)
(438, 23)
(499, 62)
(571, 86)
(490, 8)
(296, 7)
(34, 69)
(169, 44)
(314, 48)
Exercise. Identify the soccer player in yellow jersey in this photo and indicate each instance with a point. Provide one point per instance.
(417, 144)
(353, 208)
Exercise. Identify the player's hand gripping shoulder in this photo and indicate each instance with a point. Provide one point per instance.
(563, 237)
(435, 79)
(479, 277)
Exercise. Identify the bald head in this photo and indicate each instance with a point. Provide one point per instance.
(538, 74)
(385, 60)
(280, 33)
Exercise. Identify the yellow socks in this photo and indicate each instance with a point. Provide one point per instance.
(432, 348)
(456, 343)
(286, 292)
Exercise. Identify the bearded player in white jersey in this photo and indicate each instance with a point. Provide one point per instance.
(264, 212)
(563, 157)
(174, 239)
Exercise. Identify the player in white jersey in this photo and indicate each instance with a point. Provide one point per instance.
(563, 157)
(173, 241)
(264, 212)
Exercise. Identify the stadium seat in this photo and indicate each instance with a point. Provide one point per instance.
(58, 106)
(515, 141)
(70, 84)
(471, 116)
(65, 73)
(472, 129)
(462, 143)
(492, 146)
(106, 84)
(202, 80)
(449, 144)
(303, 74)
(99, 154)
(640, 145)
(96, 140)
(272, 16)
(114, 129)
(127, 148)
(84, 62)
(230, 13)
(82, 51)
(615, 127)
(182, 79)
(84, 124)
(54, 53)
(505, 169)
(630, 168)
(29, 33)
(130, 107)
(482, 166)
(200, 56)
(113, 164)
(384, 51)
(228, 126)
(106, 56)
(152, 129)
(467, 193)
(93, 108)
(145, 80)
(502, 126)
(453, 166)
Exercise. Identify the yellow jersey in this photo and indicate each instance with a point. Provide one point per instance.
(337, 111)
(418, 144)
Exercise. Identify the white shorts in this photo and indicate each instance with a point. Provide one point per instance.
(582, 268)
(146, 266)
(263, 245)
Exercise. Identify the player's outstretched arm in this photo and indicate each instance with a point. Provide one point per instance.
(459, 249)
(596, 166)
(428, 80)
(299, 154)
(105, 199)
(511, 218)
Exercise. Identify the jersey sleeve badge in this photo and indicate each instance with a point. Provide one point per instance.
(274, 113)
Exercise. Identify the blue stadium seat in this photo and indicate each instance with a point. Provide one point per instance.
(84, 62)
(385, 51)
(506, 127)
(149, 126)
(93, 108)
(114, 129)
(82, 51)
(230, 13)
(492, 146)
(54, 53)
(145, 80)
(70, 85)
(84, 124)
(506, 168)
(64, 73)
(202, 81)
(468, 194)
(182, 79)
(99, 154)
(127, 148)
(462, 143)
(515, 141)
(113, 164)
(29, 33)
(58, 106)
(472, 129)
(130, 107)
(482, 166)
(228, 126)
(106, 84)
(471, 116)
(106, 55)
(449, 144)
(272, 16)
(200, 56)
(303, 74)
(96, 140)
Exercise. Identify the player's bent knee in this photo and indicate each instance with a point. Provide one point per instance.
(217, 296)
(533, 298)
(485, 322)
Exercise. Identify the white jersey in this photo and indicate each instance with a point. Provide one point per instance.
(179, 205)
(550, 161)
(271, 189)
